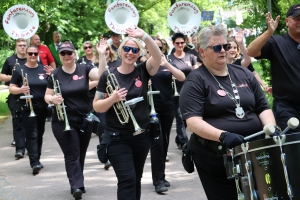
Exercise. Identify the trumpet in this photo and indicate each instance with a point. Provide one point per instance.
(150, 94)
(15, 66)
(28, 97)
(60, 108)
(176, 94)
(122, 108)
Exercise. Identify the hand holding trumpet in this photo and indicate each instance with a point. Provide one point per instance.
(119, 95)
(25, 89)
(57, 99)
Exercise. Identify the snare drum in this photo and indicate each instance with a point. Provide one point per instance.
(266, 169)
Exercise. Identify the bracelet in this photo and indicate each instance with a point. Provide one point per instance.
(144, 37)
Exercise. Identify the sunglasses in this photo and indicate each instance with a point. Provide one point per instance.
(21, 45)
(88, 47)
(160, 47)
(218, 48)
(33, 53)
(63, 53)
(178, 43)
(133, 49)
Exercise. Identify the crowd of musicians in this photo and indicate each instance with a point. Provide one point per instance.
(211, 89)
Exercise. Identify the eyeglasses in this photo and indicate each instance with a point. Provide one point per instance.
(296, 19)
(63, 53)
(133, 49)
(298, 46)
(160, 47)
(218, 48)
(33, 53)
(88, 47)
(178, 43)
(21, 45)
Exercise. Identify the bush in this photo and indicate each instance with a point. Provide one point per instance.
(4, 53)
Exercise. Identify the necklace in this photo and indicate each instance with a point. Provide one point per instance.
(239, 111)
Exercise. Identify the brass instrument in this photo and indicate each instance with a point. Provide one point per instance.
(28, 97)
(122, 108)
(151, 103)
(83, 62)
(60, 108)
(15, 66)
(176, 94)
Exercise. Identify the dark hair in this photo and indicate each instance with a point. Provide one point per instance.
(178, 35)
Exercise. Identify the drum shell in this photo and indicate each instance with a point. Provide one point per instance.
(267, 168)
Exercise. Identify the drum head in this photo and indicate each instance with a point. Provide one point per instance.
(20, 21)
(184, 17)
(121, 15)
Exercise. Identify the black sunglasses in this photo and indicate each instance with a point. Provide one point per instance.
(33, 53)
(179, 43)
(218, 48)
(298, 46)
(63, 53)
(88, 47)
(160, 48)
(133, 49)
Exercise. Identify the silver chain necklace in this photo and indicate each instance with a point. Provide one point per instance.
(239, 111)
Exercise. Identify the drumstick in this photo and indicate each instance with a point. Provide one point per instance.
(292, 124)
(268, 130)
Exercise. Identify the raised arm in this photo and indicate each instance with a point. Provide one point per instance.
(239, 40)
(254, 48)
(101, 48)
(178, 74)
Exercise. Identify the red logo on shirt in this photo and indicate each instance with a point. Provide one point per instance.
(138, 82)
(76, 77)
(41, 76)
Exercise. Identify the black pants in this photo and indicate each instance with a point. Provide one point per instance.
(213, 176)
(74, 145)
(34, 130)
(127, 154)
(159, 148)
(101, 125)
(283, 111)
(181, 137)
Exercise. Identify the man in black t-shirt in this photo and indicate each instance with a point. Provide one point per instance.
(9, 66)
(116, 39)
(283, 51)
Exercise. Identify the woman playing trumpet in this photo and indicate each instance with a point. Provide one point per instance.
(126, 152)
(32, 74)
(74, 85)
(164, 106)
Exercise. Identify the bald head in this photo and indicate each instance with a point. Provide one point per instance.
(35, 40)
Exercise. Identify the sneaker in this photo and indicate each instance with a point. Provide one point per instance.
(107, 165)
(179, 146)
(167, 183)
(19, 155)
(161, 188)
(167, 159)
(36, 169)
(13, 143)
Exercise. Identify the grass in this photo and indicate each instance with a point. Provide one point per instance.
(258, 69)
(4, 110)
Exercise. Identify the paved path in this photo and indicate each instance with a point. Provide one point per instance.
(18, 183)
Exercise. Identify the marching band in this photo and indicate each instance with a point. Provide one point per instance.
(218, 100)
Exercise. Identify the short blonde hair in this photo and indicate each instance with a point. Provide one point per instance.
(138, 43)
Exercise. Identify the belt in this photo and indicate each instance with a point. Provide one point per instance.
(216, 147)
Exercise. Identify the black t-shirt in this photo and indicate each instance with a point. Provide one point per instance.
(199, 97)
(74, 89)
(162, 81)
(136, 83)
(185, 64)
(239, 62)
(115, 63)
(87, 61)
(9, 64)
(196, 54)
(115, 49)
(284, 56)
(37, 81)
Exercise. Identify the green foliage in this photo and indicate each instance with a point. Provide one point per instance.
(3, 105)
(4, 53)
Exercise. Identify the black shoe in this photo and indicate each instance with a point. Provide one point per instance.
(19, 155)
(107, 165)
(81, 188)
(77, 193)
(36, 169)
(161, 188)
(179, 146)
(167, 183)
(41, 165)
(13, 143)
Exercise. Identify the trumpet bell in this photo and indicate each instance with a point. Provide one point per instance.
(121, 15)
(32, 114)
(138, 131)
(20, 21)
(184, 17)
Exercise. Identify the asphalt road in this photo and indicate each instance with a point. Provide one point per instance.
(18, 183)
